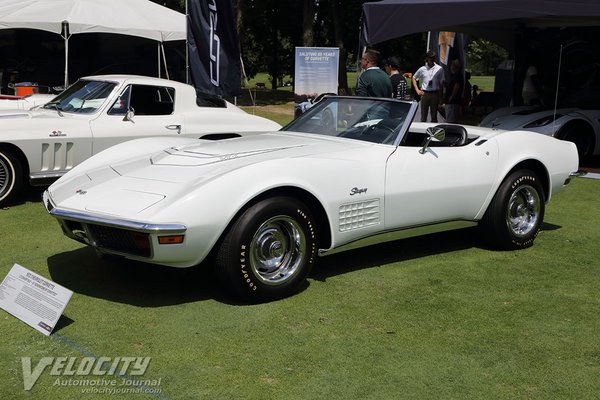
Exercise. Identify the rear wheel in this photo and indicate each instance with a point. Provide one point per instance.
(269, 250)
(583, 136)
(515, 215)
(11, 175)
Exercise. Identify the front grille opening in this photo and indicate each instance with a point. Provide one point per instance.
(74, 230)
(121, 240)
(73, 226)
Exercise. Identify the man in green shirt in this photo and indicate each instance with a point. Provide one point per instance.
(373, 82)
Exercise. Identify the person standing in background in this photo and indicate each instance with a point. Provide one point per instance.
(373, 82)
(428, 82)
(466, 100)
(531, 87)
(392, 67)
(453, 92)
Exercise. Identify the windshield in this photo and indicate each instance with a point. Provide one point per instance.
(83, 97)
(371, 120)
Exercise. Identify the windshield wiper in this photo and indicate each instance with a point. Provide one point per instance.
(54, 105)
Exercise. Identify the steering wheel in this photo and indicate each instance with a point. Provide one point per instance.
(327, 119)
(382, 127)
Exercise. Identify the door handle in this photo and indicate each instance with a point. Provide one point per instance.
(174, 127)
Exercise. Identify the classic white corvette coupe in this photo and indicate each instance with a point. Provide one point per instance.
(39, 145)
(349, 172)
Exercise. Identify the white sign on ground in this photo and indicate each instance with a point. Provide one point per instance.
(33, 299)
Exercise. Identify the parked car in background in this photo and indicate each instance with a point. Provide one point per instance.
(39, 145)
(576, 125)
(302, 107)
(263, 207)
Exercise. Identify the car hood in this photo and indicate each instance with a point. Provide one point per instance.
(7, 116)
(223, 155)
(14, 113)
(130, 186)
(25, 103)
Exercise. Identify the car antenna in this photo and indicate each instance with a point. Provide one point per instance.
(557, 86)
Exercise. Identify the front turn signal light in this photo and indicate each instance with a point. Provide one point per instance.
(172, 239)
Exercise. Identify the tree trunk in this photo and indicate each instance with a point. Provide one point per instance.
(308, 22)
(339, 42)
(239, 21)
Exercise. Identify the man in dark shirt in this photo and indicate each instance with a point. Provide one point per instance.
(454, 92)
(373, 82)
(392, 67)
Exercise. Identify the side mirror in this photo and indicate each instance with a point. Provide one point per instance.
(129, 115)
(434, 133)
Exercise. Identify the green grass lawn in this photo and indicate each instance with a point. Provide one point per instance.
(485, 83)
(436, 317)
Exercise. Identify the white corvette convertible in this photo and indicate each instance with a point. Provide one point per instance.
(39, 145)
(262, 207)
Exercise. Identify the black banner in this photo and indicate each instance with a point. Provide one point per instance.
(213, 49)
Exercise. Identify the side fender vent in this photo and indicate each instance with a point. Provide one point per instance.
(358, 215)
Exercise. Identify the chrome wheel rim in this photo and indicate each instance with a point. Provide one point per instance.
(277, 250)
(523, 211)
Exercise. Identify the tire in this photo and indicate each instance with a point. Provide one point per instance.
(516, 213)
(583, 136)
(11, 176)
(268, 251)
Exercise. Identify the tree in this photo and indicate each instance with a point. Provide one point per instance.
(484, 56)
(269, 31)
(308, 23)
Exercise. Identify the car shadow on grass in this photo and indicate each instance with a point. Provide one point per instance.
(131, 282)
(26, 195)
(147, 285)
(395, 251)
(404, 250)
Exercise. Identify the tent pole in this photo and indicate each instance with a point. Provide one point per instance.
(560, 55)
(66, 35)
(164, 58)
(187, 56)
(158, 57)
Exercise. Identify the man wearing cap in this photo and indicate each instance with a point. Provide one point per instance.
(430, 77)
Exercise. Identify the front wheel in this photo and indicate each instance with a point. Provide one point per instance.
(515, 215)
(269, 250)
(10, 175)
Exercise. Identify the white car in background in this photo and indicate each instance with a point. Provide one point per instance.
(261, 208)
(38, 146)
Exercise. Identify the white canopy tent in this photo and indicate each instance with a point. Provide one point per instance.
(140, 18)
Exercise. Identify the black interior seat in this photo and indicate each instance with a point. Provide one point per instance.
(456, 135)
